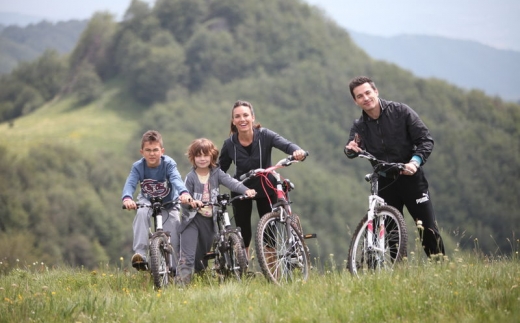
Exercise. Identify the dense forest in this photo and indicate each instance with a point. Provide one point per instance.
(72, 125)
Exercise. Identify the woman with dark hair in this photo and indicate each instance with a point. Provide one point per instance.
(249, 147)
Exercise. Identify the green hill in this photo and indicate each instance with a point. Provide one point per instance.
(23, 44)
(72, 126)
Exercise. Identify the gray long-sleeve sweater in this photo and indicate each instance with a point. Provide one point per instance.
(216, 178)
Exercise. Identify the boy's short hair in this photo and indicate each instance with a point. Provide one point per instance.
(202, 146)
(151, 136)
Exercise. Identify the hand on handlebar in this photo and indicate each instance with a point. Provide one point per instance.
(195, 204)
(300, 154)
(353, 146)
(409, 169)
(129, 204)
(186, 198)
(250, 193)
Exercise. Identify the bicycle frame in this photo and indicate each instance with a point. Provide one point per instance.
(283, 201)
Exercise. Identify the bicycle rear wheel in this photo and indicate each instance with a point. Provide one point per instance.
(236, 259)
(160, 261)
(282, 253)
(379, 245)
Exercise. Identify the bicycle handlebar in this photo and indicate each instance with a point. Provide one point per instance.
(288, 161)
(140, 205)
(380, 163)
(224, 200)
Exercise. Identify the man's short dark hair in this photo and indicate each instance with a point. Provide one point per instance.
(360, 80)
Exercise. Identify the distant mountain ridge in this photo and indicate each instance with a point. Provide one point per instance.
(467, 64)
(18, 19)
(22, 44)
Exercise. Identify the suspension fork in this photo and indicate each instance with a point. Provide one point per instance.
(374, 202)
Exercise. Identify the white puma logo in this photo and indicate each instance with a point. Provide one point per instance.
(423, 199)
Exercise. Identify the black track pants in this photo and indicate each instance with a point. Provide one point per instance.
(412, 192)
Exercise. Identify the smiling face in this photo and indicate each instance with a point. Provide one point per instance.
(152, 152)
(367, 98)
(243, 118)
(202, 161)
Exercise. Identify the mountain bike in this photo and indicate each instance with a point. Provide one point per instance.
(161, 255)
(380, 239)
(228, 248)
(282, 253)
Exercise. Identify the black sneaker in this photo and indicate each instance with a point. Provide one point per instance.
(139, 262)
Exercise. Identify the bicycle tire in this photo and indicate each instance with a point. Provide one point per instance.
(236, 257)
(362, 259)
(160, 262)
(289, 259)
(297, 222)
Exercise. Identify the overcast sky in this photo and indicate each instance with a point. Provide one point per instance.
(492, 22)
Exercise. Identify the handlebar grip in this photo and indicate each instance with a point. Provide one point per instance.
(291, 157)
(246, 175)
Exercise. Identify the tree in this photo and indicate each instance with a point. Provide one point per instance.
(211, 54)
(158, 70)
(46, 74)
(181, 17)
(94, 45)
(87, 84)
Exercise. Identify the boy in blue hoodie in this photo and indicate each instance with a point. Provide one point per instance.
(157, 176)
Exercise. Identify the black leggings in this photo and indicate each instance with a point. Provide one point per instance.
(242, 210)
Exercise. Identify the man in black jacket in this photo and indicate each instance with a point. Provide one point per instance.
(393, 132)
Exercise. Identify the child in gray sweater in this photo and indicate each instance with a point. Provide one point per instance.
(198, 225)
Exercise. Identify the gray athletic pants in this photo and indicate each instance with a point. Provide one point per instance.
(196, 240)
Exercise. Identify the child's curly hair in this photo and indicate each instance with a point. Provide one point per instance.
(202, 146)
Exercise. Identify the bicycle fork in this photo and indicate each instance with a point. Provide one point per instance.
(167, 245)
(377, 244)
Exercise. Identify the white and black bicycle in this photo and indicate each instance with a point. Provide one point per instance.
(380, 239)
(161, 253)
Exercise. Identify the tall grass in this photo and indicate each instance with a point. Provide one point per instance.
(467, 288)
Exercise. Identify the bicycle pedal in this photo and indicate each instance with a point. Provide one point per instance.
(210, 255)
(310, 236)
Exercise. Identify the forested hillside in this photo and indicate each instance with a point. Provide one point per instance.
(72, 126)
(23, 44)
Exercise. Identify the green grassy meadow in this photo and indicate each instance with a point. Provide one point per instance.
(100, 126)
(468, 288)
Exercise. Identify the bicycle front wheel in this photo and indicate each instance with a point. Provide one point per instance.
(160, 261)
(379, 244)
(282, 253)
(236, 259)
